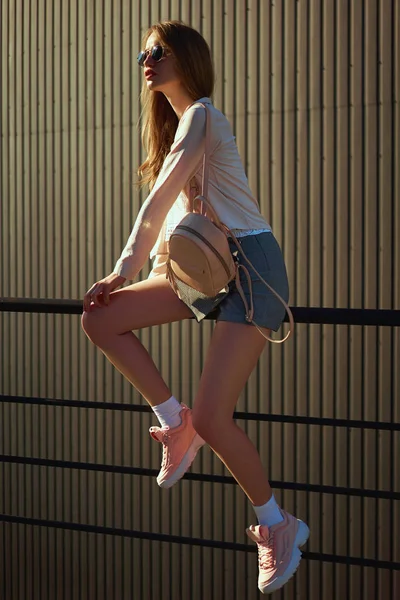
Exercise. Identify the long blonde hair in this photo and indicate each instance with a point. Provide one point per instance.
(194, 65)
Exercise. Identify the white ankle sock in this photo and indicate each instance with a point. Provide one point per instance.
(168, 412)
(269, 513)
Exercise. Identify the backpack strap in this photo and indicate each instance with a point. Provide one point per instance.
(206, 171)
(206, 162)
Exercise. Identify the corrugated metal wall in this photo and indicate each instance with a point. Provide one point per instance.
(312, 91)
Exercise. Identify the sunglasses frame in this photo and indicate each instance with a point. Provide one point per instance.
(143, 54)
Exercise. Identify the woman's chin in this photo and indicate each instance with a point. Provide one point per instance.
(152, 86)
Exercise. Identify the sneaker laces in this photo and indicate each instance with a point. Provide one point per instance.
(266, 554)
(165, 442)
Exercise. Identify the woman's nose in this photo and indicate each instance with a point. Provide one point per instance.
(148, 61)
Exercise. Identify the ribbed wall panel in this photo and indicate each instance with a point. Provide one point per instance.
(312, 90)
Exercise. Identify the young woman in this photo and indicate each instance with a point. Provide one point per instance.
(178, 84)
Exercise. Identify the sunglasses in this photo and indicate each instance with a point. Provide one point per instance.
(157, 53)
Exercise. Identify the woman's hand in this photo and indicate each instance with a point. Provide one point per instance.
(99, 293)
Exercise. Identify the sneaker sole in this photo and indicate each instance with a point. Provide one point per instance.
(185, 463)
(302, 536)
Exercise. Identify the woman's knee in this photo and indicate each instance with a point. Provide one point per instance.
(94, 327)
(207, 425)
(87, 324)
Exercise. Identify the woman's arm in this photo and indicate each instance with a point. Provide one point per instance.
(179, 166)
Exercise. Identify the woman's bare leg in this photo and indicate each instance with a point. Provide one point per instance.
(233, 353)
(149, 302)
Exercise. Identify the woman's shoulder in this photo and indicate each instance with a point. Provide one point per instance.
(201, 104)
(196, 113)
(193, 120)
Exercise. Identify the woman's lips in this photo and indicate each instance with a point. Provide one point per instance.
(149, 74)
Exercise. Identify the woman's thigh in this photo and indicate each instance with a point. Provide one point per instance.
(143, 304)
(232, 356)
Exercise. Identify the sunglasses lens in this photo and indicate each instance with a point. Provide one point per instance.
(157, 53)
(141, 58)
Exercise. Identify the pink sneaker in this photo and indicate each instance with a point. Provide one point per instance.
(278, 551)
(180, 446)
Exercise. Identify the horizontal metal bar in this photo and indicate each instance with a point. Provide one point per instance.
(224, 479)
(160, 537)
(246, 416)
(301, 314)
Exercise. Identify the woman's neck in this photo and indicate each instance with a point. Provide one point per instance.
(179, 101)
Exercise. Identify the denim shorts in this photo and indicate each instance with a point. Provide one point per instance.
(263, 251)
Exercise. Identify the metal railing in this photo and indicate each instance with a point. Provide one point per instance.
(334, 316)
